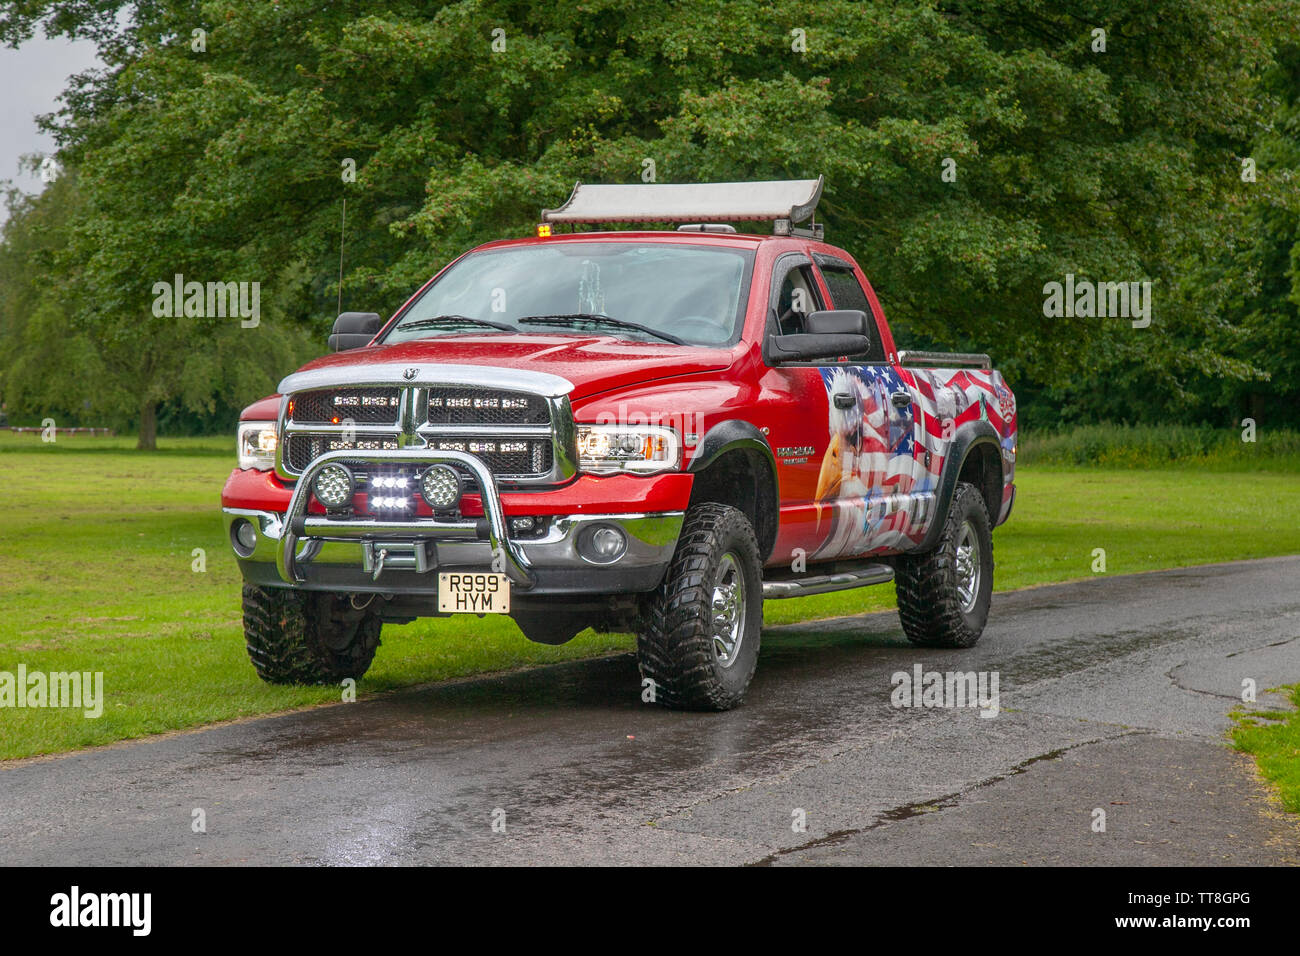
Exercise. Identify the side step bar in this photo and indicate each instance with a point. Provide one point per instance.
(792, 586)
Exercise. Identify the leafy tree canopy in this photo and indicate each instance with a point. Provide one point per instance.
(221, 155)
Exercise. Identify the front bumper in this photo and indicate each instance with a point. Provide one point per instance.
(316, 552)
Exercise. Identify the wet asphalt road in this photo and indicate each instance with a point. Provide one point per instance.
(1114, 695)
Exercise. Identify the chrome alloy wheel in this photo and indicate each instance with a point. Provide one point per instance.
(728, 623)
(968, 567)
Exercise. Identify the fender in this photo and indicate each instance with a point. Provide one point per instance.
(967, 437)
(728, 436)
(738, 435)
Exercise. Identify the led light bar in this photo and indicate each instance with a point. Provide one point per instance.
(793, 200)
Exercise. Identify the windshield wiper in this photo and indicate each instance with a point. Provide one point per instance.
(455, 320)
(574, 319)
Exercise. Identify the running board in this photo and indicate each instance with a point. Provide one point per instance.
(805, 584)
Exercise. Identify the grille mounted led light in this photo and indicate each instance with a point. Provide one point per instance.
(391, 492)
(333, 486)
(440, 486)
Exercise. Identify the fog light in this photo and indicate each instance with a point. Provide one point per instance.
(526, 523)
(333, 486)
(243, 537)
(440, 487)
(603, 544)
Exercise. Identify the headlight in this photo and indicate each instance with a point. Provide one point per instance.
(256, 444)
(642, 449)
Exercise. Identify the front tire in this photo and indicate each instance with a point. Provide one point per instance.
(307, 637)
(699, 638)
(944, 594)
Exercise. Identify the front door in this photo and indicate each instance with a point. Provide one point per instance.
(872, 463)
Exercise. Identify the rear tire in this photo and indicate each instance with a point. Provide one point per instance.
(305, 637)
(700, 631)
(944, 594)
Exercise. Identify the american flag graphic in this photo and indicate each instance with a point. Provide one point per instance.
(882, 492)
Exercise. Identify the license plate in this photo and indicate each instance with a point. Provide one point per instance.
(475, 592)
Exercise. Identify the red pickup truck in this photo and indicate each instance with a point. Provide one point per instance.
(643, 431)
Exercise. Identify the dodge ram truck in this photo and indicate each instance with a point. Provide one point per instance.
(649, 431)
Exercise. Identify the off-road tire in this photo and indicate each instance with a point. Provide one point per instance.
(304, 637)
(675, 644)
(929, 602)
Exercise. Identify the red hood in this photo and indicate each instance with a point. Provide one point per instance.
(592, 363)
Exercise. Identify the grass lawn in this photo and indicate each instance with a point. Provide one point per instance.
(98, 573)
(1272, 737)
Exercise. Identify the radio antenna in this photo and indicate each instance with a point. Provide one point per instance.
(342, 229)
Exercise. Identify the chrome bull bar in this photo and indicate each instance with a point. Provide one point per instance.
(314, 529)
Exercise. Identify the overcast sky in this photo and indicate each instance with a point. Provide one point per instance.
(31, 79)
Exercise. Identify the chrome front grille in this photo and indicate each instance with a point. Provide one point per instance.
(461, 405)
(522, 437)
(529, 457)
(302, 448)
(335, 406)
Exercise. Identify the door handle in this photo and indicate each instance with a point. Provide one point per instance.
(901, 399)
(843, 400)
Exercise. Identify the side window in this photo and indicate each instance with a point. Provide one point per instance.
(846, 293)
(798, 297)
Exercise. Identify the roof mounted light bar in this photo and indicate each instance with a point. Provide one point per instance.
(781, 201)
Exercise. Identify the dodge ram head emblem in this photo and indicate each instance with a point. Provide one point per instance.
(410, 373)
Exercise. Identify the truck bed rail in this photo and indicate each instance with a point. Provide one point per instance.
(944, 359)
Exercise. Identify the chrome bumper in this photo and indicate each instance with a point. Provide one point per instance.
(315, 552)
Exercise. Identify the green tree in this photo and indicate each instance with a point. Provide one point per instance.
(34, 332)
(464, 119)
(74, 358)
(1267, 261)
(1242, 359)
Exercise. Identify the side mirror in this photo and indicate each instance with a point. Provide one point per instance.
(354, 330)
(830, 334)
(837, 322)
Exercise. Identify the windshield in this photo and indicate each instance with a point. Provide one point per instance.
(650, 292)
